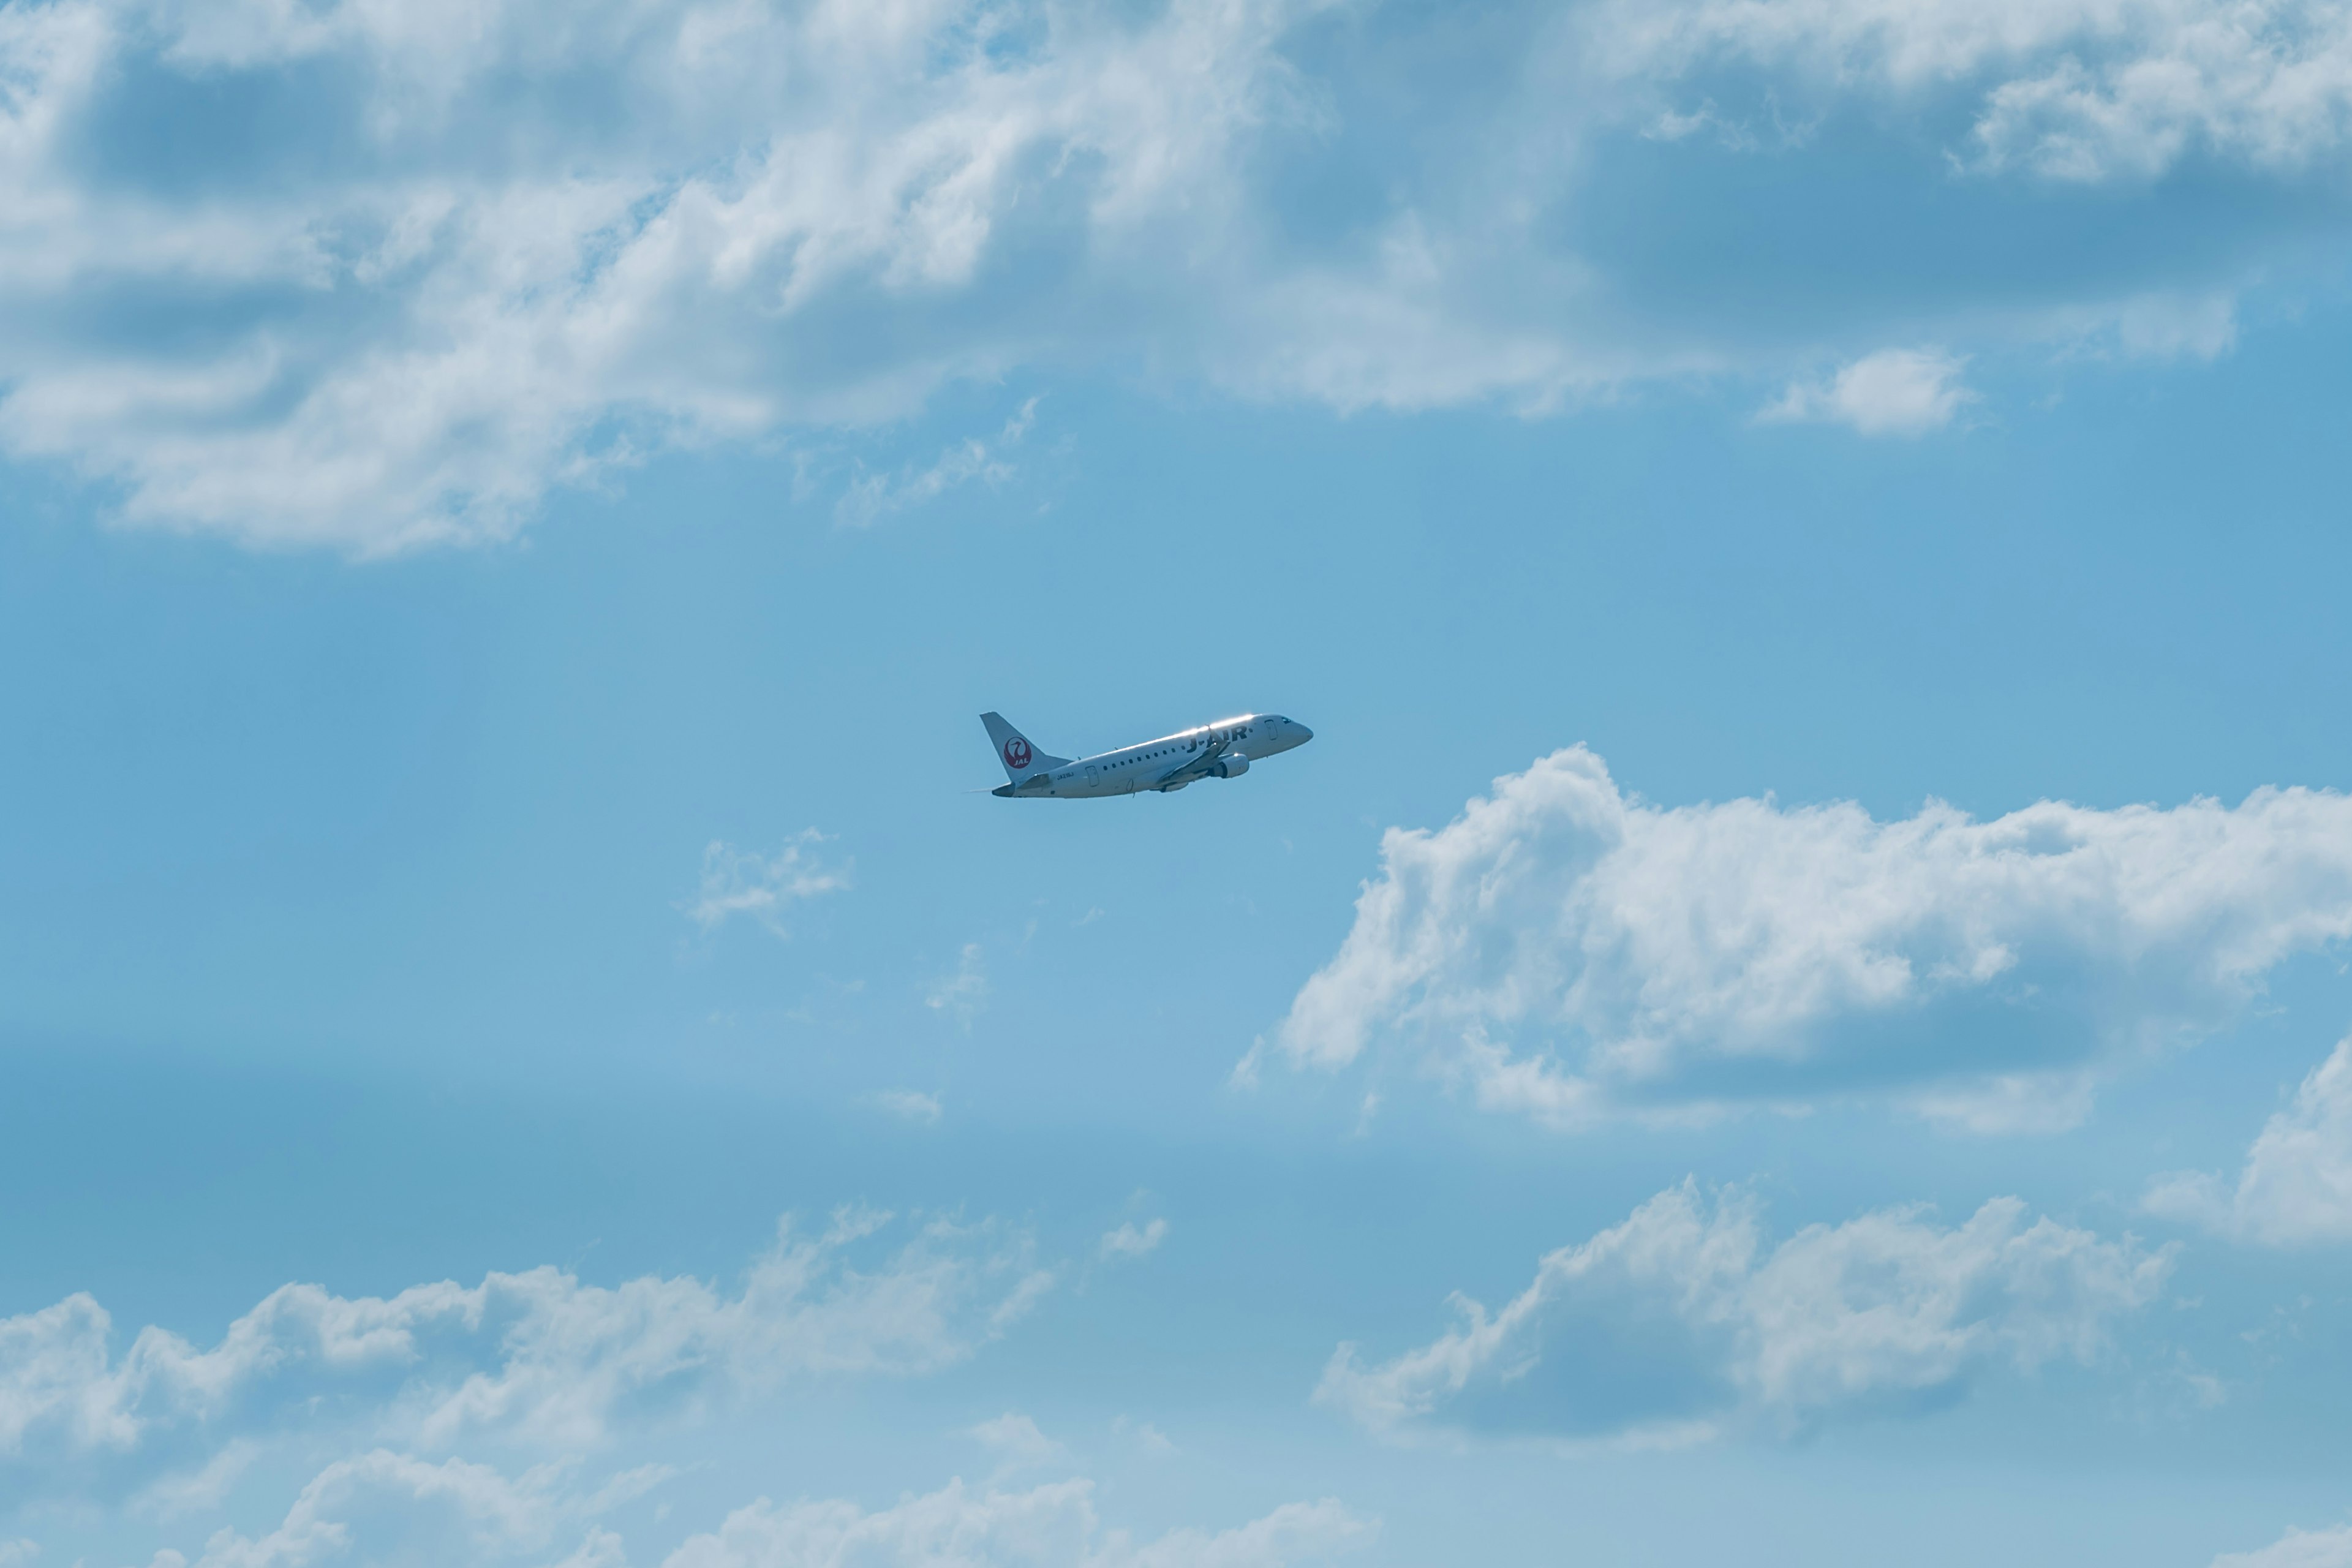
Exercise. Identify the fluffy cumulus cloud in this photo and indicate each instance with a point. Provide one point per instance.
(2297, 1188)
(1681, 1323)
(1573, 954)
(538, 1358)
(1894, 392)
(370, 276)
(1054, 1526)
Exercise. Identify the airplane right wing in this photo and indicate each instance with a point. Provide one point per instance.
(1193, 768)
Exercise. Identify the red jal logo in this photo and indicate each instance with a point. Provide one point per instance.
(1016, 752)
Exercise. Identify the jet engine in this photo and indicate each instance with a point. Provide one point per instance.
(1232, 765)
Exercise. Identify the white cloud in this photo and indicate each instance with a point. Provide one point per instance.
(1127, 1241)
(1894, 392)
(536, 1357)
(1053, 1526)
(963, 992)
(872, 496)
(17, 1553)
(1573, 954)
(1679, 1324)
(2297, 1188)
(746, 883)
(2297, 1549)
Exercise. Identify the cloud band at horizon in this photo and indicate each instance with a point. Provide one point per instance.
(1575, 955)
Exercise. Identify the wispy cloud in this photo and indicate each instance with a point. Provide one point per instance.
(911, 1105)
(1053, 1526)
(869, 498)
(747, 884)
(962, 993)
(1129, 1240)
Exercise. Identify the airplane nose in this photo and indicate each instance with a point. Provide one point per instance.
(1305, 734)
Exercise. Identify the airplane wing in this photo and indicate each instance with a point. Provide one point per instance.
(1194, 767)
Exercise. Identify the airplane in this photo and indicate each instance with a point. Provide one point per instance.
(1224, 750)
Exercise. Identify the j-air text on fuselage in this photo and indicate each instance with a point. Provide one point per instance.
(1224, 750)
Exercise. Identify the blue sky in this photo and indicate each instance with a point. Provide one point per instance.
(1789, 1013)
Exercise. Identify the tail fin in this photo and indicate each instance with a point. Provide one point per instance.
(1021, 760)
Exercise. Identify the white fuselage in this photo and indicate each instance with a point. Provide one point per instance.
(1171, 762)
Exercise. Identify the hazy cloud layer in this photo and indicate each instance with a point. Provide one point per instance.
(537, 1357)
(2297, 1188)
(1683, 1323)
(1573, 954)
(371, 276)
